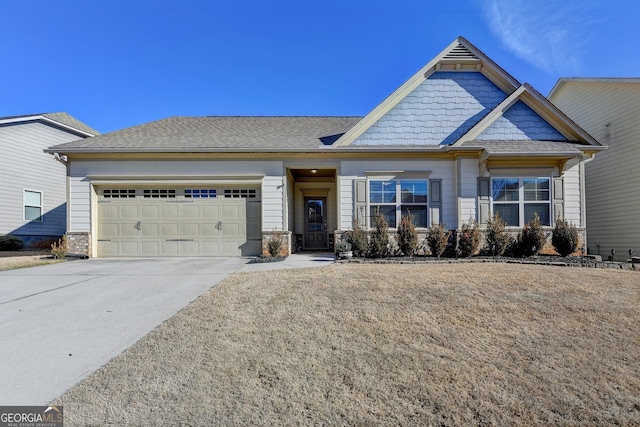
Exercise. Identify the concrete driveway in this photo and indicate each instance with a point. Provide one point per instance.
(61, 322)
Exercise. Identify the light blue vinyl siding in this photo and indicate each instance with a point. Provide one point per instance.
(438, 112)
(520, 123)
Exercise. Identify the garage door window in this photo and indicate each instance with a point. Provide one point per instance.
(200, 193)
(118, 193)
(159, 194)
(239, 194)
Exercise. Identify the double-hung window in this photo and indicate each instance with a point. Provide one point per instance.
(32, 205)
(517, 200)
(394, 198)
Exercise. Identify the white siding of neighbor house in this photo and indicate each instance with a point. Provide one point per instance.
(468, 171)
(440, 169)
(81, 171)
(610, 112)
(26, 166)
(572, 194)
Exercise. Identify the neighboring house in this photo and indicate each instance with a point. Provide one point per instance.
(33, 186)
(460, 139)
(609, 109)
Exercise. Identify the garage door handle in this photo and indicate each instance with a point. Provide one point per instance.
(219, 226)
(138, 226)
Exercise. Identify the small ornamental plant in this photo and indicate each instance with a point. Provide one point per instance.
(60, 249)
(407, 236)
(437, 239)
(497, 238)
(11, 243)
(531, 239)
(274, 243)
(379, 242)
(358, 239)
(564, 237)
(469, 239)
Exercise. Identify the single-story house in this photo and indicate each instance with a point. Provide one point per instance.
(609, 109)
(33, 190)
(460, 139)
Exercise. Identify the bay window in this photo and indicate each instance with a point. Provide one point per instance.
(516, 200)
(394, 198)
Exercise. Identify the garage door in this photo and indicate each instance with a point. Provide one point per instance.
(178, 222)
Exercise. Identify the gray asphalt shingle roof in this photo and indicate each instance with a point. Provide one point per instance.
(219, 133)
(523, 147)
(62, 118)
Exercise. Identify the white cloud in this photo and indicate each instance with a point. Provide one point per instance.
(548, 34)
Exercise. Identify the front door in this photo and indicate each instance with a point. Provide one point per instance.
(315, 223)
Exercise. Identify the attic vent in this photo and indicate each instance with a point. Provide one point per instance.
(460, 52)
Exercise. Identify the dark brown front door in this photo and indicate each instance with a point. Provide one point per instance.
(315, 223)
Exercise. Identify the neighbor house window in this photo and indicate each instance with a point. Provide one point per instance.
(32, 206)
(397, 197)
(517, 200)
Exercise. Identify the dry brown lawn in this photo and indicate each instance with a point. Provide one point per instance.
(470, 344)
(10, 260)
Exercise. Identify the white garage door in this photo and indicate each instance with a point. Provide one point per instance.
(178, 222)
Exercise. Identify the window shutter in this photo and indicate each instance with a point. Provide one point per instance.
(558, 198)
(484, 200)
(360, 200)
(435, 201)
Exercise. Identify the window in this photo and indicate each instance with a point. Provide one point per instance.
(200, 193)
(239, 194)
(159, 194)
(118, 193)
(394, 198)
(516, 200)
(32, 206)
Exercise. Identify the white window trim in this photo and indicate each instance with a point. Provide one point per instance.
(398, 203)
(521, 202)
(25, 205)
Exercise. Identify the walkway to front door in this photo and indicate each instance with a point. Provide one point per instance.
(315, 223)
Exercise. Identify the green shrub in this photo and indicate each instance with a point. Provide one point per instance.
(342, 247)
(358, 239)
(531, 239)
(564, 237)
(274, 243)
(407, 236)
(469, 240)
(11, 243)
(379, 242)
(60, 249)
(496, 237)
(437, 239)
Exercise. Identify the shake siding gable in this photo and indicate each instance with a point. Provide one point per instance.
(439, 111)
(520, 123)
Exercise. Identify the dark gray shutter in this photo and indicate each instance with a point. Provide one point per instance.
(360, 201)
(558, 198)
(435, 201)
(484, 199)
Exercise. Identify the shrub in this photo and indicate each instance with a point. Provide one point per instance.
(496, 238)
(407, 236)
(11, 243)
(469, 240)
(274, 243)
(60, 249)
(437, 239)
(357, 238)
(379, 242)
(342, 247)
(531, 239)
(564, 237)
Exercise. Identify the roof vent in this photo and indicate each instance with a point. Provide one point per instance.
(460, 52)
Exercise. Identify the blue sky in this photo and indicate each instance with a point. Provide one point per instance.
(119, 63)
